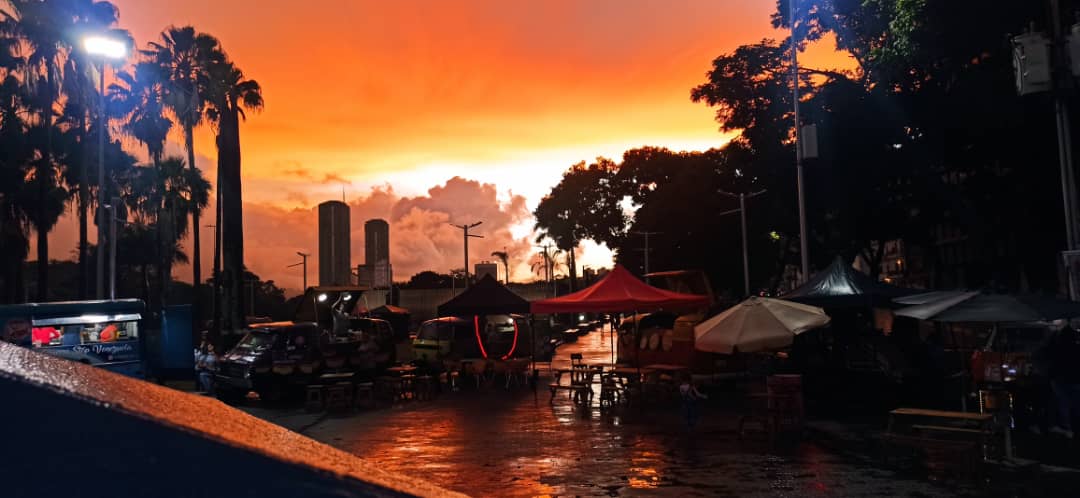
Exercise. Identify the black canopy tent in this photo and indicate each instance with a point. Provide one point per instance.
(486, 297)
(841, 286)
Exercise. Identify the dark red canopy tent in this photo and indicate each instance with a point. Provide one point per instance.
(618, 291)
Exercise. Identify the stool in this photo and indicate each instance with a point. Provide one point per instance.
(339, 396)
(315, 398)
(425, 387)
(450, 379)
(408, 386)
(366, 391)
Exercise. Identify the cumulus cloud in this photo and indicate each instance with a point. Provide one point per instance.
(421, 235)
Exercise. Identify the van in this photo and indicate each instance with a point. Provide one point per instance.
(492, 336)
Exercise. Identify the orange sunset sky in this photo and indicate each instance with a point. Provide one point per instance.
(428, 112)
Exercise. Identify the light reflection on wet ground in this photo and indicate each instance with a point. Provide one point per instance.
(514, 443)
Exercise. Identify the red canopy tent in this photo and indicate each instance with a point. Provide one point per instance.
(618, 291)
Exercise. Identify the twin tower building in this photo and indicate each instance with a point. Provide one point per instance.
(335, 262)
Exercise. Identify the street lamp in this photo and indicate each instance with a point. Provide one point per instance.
(304, 263)
(745, 253)
(466, 229)
(104, 48)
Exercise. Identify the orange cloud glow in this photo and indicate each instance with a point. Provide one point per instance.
(365, 94)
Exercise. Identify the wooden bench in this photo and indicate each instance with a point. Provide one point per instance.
(945, 433)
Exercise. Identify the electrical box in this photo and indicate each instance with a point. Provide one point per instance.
(808, 141)
(1031, 61)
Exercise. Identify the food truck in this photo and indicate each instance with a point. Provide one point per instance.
(100, 333)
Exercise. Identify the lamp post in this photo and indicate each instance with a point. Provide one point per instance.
(745, 253)
(466, 230)
(105, 49)
(803, 251)
(304, 263)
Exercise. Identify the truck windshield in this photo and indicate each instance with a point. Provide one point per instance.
(256, 341)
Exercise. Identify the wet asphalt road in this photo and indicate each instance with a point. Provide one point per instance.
(495, 442)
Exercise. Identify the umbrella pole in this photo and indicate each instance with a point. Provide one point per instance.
(611, 337)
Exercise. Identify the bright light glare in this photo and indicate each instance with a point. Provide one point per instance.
(322, 297)
(348, 297)
(99, 45)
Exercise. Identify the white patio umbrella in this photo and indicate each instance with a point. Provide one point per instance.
(757, 324)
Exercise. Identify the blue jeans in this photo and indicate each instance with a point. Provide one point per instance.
(206, 380)
(690, 412)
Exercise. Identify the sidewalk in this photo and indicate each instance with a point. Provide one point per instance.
(862, 440)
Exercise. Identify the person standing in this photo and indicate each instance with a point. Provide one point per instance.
(205, 365)
(1065, 379)
(690, 397)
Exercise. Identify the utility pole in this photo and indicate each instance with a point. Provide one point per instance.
(466, 228)
(745, 252)
(304, 263)
(646, 249)
(803, 251)
(112, 247)
(1042, 65)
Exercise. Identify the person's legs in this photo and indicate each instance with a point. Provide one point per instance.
(206, 382)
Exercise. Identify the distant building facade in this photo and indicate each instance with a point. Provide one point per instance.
(376, 272)
(486, 268)
(335, 265)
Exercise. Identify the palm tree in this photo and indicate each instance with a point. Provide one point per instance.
(140, 98)
(82, 96)
(182, 58)
(48, 30)
(15, 158)
(230, 93)
(159, 196)
(505, 258)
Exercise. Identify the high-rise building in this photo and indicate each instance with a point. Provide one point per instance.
(335, 266)
(377, 266)
(486, 268)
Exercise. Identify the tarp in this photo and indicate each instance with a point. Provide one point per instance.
(981, 307)
(618, 291)
(757, 324)
(486, 297)
(841, 286)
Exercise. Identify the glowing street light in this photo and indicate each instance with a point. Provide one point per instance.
(104, 48)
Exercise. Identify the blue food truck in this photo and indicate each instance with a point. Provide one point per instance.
(99, 333)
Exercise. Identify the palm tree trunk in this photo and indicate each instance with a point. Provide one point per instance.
(232, 233)
(44, 173)
(196, 265)
(216, 301)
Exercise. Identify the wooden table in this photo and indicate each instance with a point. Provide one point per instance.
(978, 424)
(401, 370)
